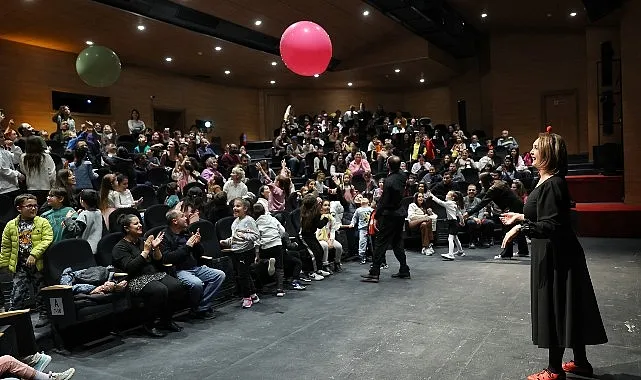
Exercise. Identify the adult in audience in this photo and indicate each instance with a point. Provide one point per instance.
(235, 186)
(474, 143)
(443, 187)
(64, 116)
(499, 192)
(139, 258)
(464, 161)
(506, 140)
(183, 250)
(295, 157)
(229, 159)
(38, 167)
(169, 158)
(419, 216)
(135, 125)
(479, 226)
(320, 161)
(211, 169)
(565, 313)
(420, 166)
(488, 159)
(389, 219)
(359, 166)
(432, 177)
(24, 242)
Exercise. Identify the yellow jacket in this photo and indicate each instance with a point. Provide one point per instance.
(41, 237)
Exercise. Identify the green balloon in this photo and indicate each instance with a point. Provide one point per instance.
(98, 66)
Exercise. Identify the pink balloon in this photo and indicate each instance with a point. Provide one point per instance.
(306, 48)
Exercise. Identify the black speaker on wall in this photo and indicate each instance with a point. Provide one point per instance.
(462, 114)
(607, 57)
(597, 9)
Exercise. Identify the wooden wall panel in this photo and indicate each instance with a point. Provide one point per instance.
(28, 75)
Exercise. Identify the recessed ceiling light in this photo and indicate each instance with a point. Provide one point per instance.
(258, 23)
(141, 27)
(350, 84)
(316, 75)
(89, 43)
(422, 80)
(168, 59)
(397, 71)
(483, 15)
(218, 48)
(200, 53)
(88, 101)
(272, 82)
(573, 14)
(365, 13)
(227, 72)
(274, 63)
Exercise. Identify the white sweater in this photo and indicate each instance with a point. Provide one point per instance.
(271, 231)
(121, 200)
(43, 178)
(8, 176)
(453, 213)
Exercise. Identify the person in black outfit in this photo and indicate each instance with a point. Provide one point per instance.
(565, 312)
(501, 194)
(139, 259)
(390, 219)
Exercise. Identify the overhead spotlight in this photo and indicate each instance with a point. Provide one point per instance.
(218, 48)
(141, 27)
(272, 82)
(483, 15)
(350, 84)
(365, 13)
(227, 72)
(168, 59)
(573, 14)
(258, 23)
(274, 63)
(89, 43)
(88, 101)
(422, 80)
(204, 125)
(316, 75)
(397, 71)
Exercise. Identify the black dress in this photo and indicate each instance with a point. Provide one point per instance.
(564, 308)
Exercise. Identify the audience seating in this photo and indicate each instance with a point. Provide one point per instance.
(68, 311)
(471, 175)
(57, 159)
(253, 186)
(104, 256)
(113, 217)
(154, 231)
(158, 176)
(156, 216)
(147, 193)
(7, 209)
(208, 237)
(193, 184)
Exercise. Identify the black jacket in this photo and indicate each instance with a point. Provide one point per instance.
(503, 196)
(175, 250)
(390, 202)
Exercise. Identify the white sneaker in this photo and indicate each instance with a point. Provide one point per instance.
(424, 251)
(447, 256)
(316, 277)
(62, 375)
(271, 268)
(323, 273)
(461, 253)
(429, 251)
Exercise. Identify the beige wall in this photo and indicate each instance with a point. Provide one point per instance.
(28, 75)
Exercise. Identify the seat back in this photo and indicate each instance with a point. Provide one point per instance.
(157, 176)
(471, 175)
(155, 216)
(74, 253)
(223, 227)
(154, 231)
(282, 217)
(405, 203)
(193, 184)
(7, 210)
(253, 185)
(105, 248)
(208, 237)
(147, 193)
(113, 217)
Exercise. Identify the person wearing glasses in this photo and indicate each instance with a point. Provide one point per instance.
(24, 241)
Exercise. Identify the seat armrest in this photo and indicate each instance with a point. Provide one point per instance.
(120, 274)
(168, 265)
(14, 313)
(207, 257)
(56, 287)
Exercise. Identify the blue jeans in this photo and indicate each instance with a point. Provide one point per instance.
(362, 243)
(202, 282)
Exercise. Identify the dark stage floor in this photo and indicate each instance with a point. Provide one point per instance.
(467, 319)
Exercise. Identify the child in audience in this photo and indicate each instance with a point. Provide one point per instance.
(172, 195)
(271, 245)
(89, 224)
(360, 221)
(453, 205)
(244, 234)
(24, 242)
(57, 214)
(326, 236)
(120, 196)
(310, 221)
